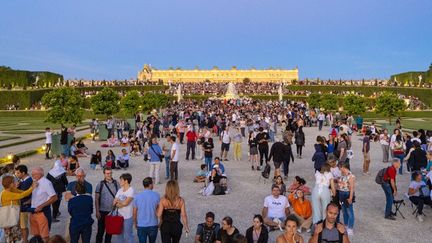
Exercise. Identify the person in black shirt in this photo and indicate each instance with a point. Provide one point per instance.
(253, 150)
(263, 138)
(208, 152)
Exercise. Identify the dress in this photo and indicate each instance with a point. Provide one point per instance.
(171, 228)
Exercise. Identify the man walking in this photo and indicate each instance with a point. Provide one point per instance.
(48, 142)
(104, 197)
(174, 159)
(144, 212)
(191, 138)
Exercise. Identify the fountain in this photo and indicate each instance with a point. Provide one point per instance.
(231, 92)
(179, 93)
(280, 92)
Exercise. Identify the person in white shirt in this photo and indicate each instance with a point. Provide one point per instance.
(321, 194)
(385, 145)
(276, 209)
(48, 142)
(123, 201)
(225, 138)
(174, 158)
(42, 197)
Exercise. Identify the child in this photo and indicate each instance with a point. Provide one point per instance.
(201, 174)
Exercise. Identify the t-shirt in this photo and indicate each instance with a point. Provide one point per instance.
(126, 212)
(146, 202)
(390, 174)
(224, 234)
(48, 137)
(323, 180)
(208, 145)
(106, 199)
(23, 186)
(175, 148)
(225, 137)
(416, 185)
(366, 141)
(71, 187)
(208, 234)
(342, 145)
(42, 193)
(330, 235)
(276, 206)
(262, 136)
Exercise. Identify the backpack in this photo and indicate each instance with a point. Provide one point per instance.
(266, 171)
(320, 234)
(379, 179)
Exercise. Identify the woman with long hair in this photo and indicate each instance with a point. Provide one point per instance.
(258, 232)
(110, 159)
(171, 213)
(253, 150)
(322, 192)
(299, 141)
(290, 235)
(279, 183)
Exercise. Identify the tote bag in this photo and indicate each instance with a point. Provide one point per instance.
(114, 223)
(10, 212)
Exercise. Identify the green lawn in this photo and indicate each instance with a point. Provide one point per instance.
(410, 123)
(26, 125)
(4, 138)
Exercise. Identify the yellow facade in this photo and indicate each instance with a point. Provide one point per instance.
(216, 75)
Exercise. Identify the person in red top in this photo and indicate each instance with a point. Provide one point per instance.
(389, 187)
(191, 137)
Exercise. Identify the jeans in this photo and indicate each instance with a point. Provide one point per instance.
(128, 236)
(401, 157)
(119, 133)
(299, 149)
(167, 170)
(65, 149)
(83, 232)
(208, 162)
(154, 171)
(321, 197)
(347, 209)
(320, 124)
(385, 150)
(286, 167)
(190, 146)
(389, 198)
(149, 232)
(101, 229)
(272, 136)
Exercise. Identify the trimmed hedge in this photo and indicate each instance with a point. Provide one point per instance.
(10, 78)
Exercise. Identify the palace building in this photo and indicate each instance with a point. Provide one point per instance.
(215, 75)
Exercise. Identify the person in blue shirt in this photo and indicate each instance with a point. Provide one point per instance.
(123, 160)
(144, 212)
(221, 166)
(80, 176)
(155, 155)
(81, 209)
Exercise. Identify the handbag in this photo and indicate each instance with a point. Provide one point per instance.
(114, 223)
(10, 212)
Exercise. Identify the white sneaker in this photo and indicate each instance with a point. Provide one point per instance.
(420, 218)
(350, 232)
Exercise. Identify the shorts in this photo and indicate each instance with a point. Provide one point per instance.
(24, 220)
(253, 151)
(39, 225)
(366, 156)
(277, 164)
(225, 146)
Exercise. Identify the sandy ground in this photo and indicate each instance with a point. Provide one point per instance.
(247, 193)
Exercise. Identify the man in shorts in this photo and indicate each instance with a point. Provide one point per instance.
(42, 198)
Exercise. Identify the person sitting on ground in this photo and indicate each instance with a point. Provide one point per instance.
(73, 165)
(291, 224)
(81, 146)
(257, 233)
(220, 165)
(110, 160)
(75, 151)
(112, 141)
(302, 210)
(419, 194)
(207, 232)
(329, 230)
(136, 148)
(201, 174)
(279, 183)
(299, 184)
(124, 141)
(96, 160)
(276, 209)
(228, 231)
(123, 160)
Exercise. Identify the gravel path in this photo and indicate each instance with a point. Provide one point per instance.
(247, 194)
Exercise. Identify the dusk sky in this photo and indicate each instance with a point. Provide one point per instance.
(112, 39)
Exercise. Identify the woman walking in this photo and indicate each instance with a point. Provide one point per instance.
(171, 213)
(253, 150)
(346, 196)
(299, 141)
(322, 192)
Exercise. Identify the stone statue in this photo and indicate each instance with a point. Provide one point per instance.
(179, 93)
(280, 92)
(420, 80)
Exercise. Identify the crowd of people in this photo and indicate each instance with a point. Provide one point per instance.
(270, 129)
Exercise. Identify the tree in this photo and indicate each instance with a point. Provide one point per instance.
(130, 102)
(389, 105)
(314, 100)
(329, 102)
(354, 104)
(152, 101)
(106, 102)
(64, 106)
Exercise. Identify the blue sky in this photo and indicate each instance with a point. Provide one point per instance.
(112, 39)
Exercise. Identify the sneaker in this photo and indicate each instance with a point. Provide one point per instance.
(350, 232)
(420, 218)
(391, 217)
